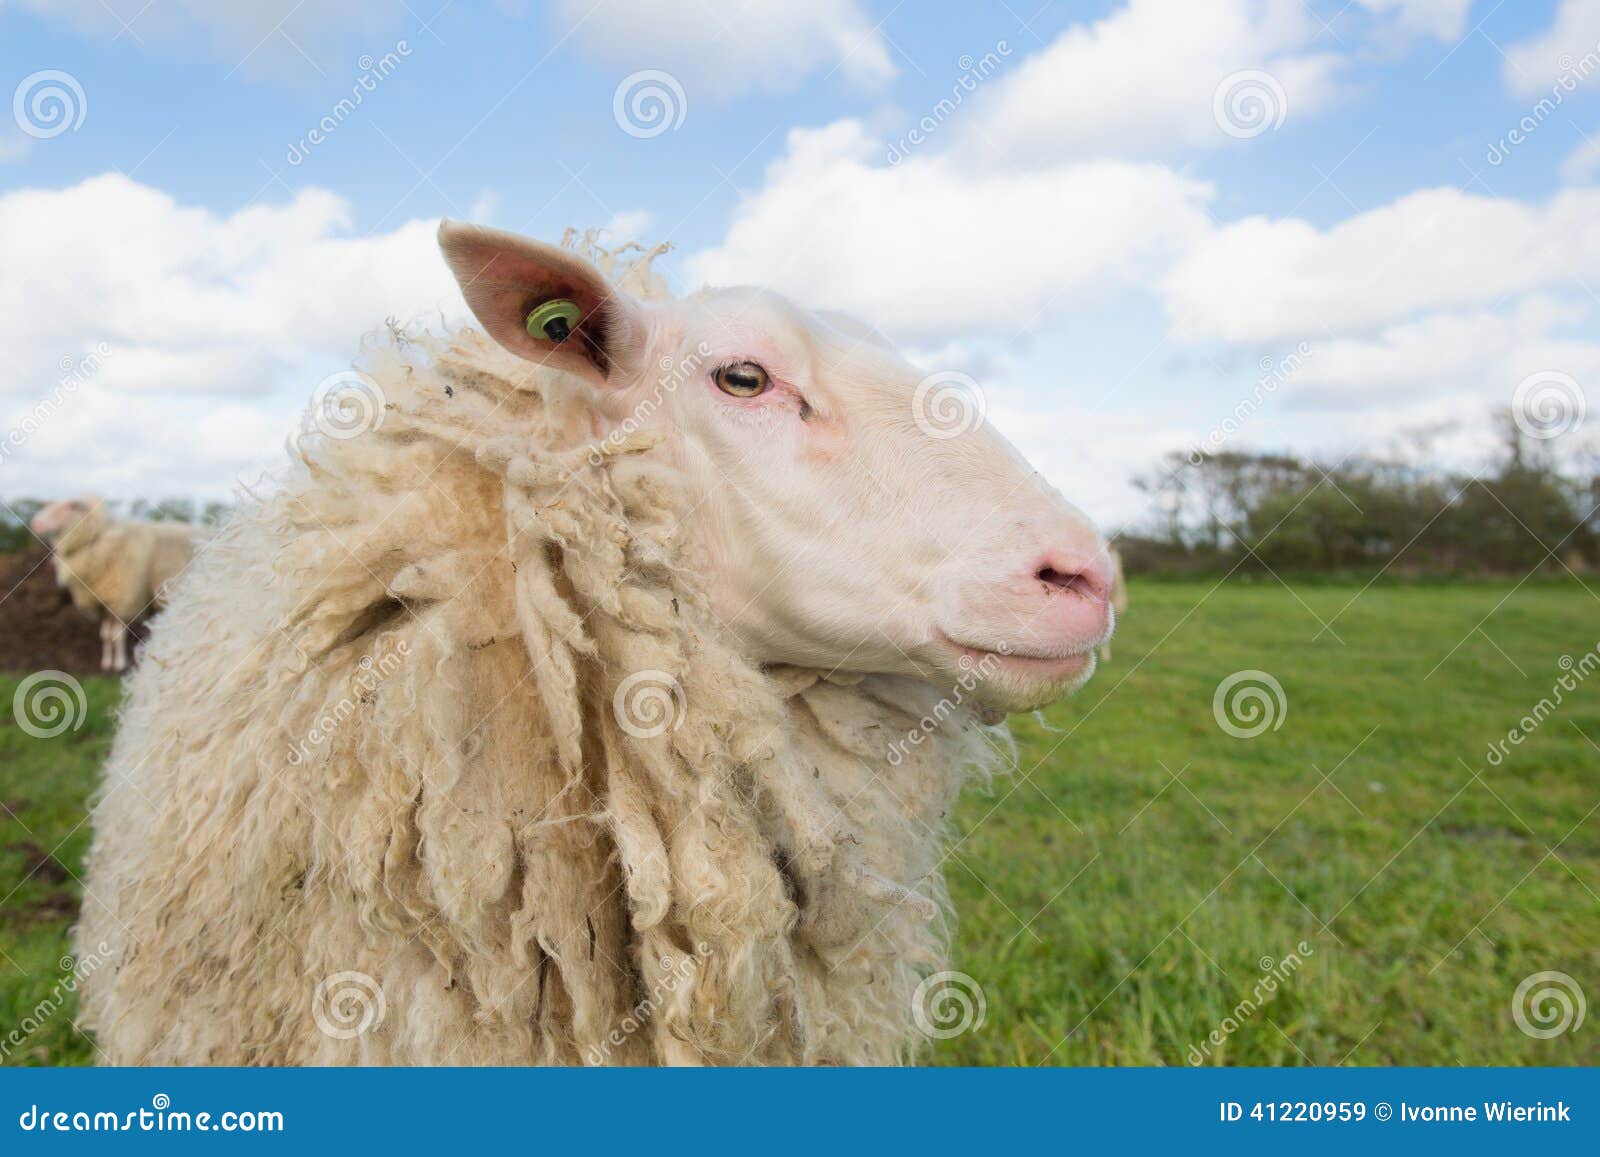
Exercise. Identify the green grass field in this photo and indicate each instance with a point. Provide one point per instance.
(1131, 883)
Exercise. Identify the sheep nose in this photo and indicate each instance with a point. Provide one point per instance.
(1087, 578)
(1073, 594)
(1091, 580)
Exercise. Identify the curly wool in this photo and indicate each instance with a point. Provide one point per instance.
(439, 757)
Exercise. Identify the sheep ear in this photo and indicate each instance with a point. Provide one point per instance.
(505, 278)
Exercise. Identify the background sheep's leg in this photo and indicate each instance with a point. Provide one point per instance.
(105, 644)
(119, 640)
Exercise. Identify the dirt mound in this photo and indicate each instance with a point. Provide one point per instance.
(39, 627)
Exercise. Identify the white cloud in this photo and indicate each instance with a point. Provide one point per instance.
(485, 207)
(1143, 80)
(629, 225)
(1441, 19)
(1583, 162)
(14, 144)
(934, 246)
(1477, 354)
(1571, 46)
(203, 318)
(723, 49)
(1265, 280)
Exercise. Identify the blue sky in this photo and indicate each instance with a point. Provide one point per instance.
(1083, 234)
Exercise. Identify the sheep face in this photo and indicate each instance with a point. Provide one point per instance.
(56, 518)
(848, 522)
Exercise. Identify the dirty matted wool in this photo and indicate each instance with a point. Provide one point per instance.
(439, 757)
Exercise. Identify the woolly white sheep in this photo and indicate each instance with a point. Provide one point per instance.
(115, 570)
(600, 701)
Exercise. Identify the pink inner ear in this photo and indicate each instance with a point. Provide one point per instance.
(503, 277)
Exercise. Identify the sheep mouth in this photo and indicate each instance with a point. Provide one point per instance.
(1018, 680)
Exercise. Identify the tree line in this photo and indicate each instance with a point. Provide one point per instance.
(1534, 506)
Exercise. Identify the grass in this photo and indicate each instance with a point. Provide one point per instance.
(1131, 883)
(1120, 895)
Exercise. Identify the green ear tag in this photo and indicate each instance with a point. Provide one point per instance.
(553, 320)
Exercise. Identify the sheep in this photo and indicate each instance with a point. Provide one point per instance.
(116, 571)
(599, 696)
(1119, 597)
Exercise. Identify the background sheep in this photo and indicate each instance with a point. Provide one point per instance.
(1119, 597)
(115, 570)
(599, 704)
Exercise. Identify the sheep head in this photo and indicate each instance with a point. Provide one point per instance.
(55, 519)
(845, 527)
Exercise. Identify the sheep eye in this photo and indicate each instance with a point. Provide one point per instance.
(742, 379)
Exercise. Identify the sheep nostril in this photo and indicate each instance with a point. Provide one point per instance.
(1052, 577)
(1074, 582)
